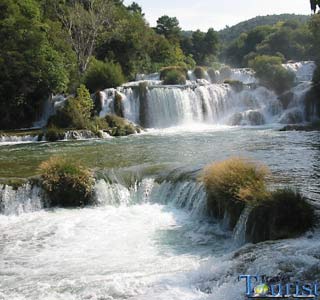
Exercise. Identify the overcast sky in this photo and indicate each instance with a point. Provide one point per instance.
(203, 14)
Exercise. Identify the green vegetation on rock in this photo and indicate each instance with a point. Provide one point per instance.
(173, 75)
(285, 214)
(101, 75)
(199, 72)
(67, 183)
(231, 184)
(272, 74)
(237, 183)
(238, 86)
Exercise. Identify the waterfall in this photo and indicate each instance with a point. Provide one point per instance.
(26, 198)
(303, 70)
(154, 105)
(239, 232)
(49, 108)
(11, 139)
(189, 195)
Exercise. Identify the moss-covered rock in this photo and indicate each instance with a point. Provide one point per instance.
(143, 110)
(121, 127)
(118, 107)
(285, 214)
(255, 118)
(54, 134)
(286, 99)
(236, 119)
(67, 183)
(164, 71)
(213, 75)
(238, 86)
(294, 116)
(199, 73)
(174, 77)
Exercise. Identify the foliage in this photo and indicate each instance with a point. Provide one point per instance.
(101, 75)
(236, 179)
(285, 214)
(76, 113)
(272, 74)
(67, 183)
(120, 127)
(54, 134)
(203, 47)
(229, 34)
(174, 77)
(164, 71)
(169, 27)
(199, 72)
(30, 67)
(85, 22)
(289, 40)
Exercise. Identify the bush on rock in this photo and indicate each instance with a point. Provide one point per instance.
(67, 183)
(231, 184)
(285, 214)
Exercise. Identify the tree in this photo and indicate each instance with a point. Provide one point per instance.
(135, 8)
(272, 74)
(314, 4)
(169, 27)
(30, 68)
(84, 22)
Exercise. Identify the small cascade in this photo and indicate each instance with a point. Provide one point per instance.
(24, 199)
(49, 109)
(243, 75)
(303, 70)
(12, 139)
(79, 135)
(239, 232)
(189, 195)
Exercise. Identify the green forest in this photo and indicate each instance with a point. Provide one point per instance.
(64, 46)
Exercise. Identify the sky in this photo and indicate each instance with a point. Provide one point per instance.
(203, 14)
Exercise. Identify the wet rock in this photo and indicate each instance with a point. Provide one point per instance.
(236, 119)
(294, 116)
(286, 214)
(255, 118)
(285, 99)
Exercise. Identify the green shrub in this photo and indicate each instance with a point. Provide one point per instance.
(174, 77)
(76, 113)
(102, 75)
(54, 134)
(285, 214)
(212, 74)
(272, 74)
(238, 86)
(199, 73)
(68, 184)
(225, 73)
(164, 71)
(120, 127)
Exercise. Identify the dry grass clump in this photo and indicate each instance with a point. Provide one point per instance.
(236, 179)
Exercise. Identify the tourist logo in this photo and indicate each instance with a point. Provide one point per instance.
(260, 287)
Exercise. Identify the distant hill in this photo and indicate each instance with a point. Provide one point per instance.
(230, 33)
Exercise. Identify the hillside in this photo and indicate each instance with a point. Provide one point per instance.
(230, 33)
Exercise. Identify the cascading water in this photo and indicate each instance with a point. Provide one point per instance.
(201, 102)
